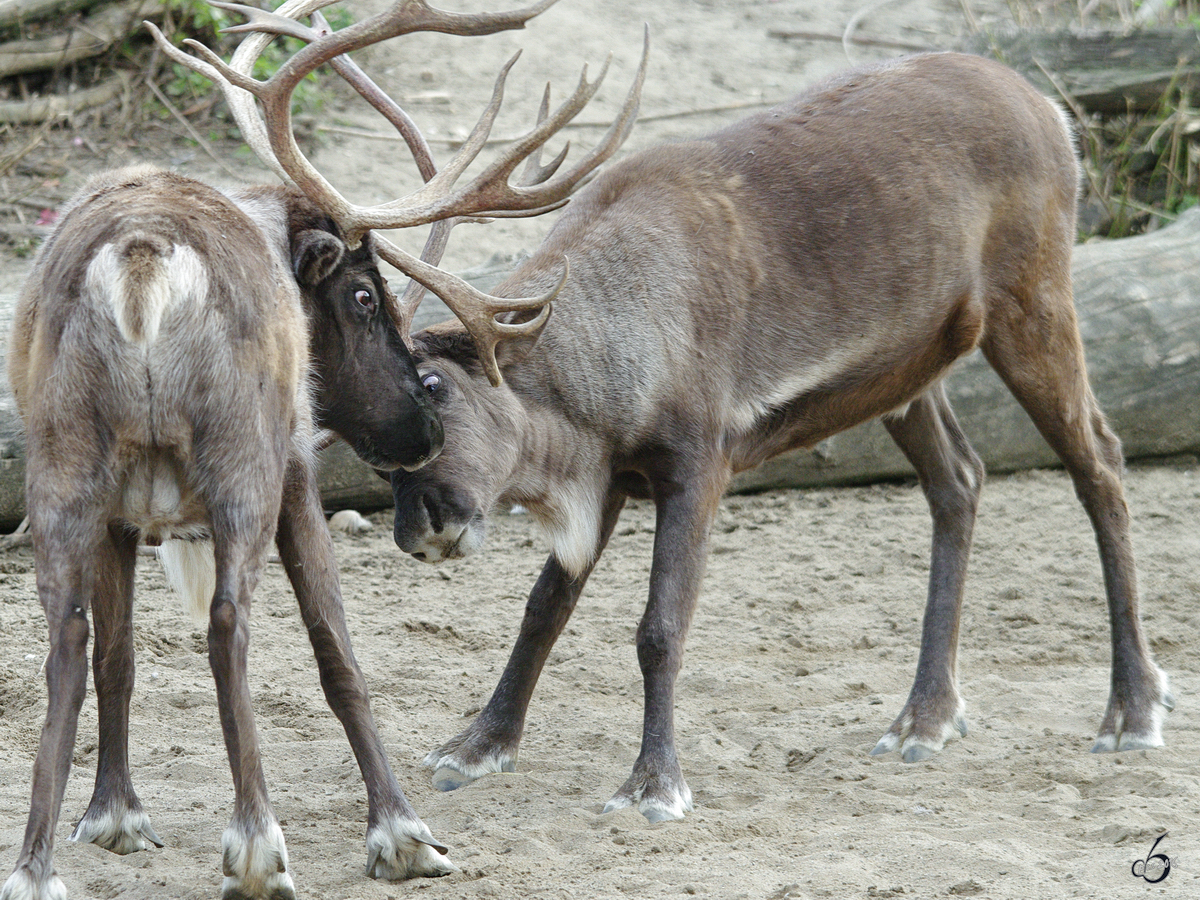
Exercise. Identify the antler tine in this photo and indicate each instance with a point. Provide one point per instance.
(616, 134)
(440, 200)
(261, 21)
(474, 308)
(271, 136)
(535, 172)
(414, 293)
(490, 193)
(385, 105)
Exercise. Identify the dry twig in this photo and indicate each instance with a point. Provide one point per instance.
(195, 135)
(19, 538)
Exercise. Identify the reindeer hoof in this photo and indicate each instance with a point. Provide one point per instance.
(255, 864)
(916, 752)
(1129, 725)
(402, 848)
(656, 799)
(21, 885)
(451, 773)
(279, 888)
(119, 831)
(915, 745)
(447, 778)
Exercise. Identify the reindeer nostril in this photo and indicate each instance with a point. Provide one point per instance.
(419, 555)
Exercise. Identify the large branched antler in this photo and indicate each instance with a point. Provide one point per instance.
(441, 201)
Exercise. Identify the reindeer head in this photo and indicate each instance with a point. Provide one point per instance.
(441, 511)
(366, 387)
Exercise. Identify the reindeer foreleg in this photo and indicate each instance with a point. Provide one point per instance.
(684, 517)
(399, 844)
(491, 742)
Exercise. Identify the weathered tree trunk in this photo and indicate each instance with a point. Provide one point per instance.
(1139, 312)
(1105, 71)
(86, 38)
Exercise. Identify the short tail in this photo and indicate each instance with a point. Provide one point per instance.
(191, 569)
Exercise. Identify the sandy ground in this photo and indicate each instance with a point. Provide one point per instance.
(802, 651)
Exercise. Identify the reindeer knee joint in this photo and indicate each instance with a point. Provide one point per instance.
(73, 631)
(657, 648)
(222, 617)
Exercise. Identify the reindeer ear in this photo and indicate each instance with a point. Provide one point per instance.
(315, 255)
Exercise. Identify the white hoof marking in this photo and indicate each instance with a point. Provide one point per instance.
(401, 848)
(21, 886)
(255, 865)
(655, 809)
(121, 832)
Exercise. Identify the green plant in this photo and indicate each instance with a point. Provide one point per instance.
(1142, 168)
(198, 20)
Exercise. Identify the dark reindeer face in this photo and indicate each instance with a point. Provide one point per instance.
(441, 510)
(368, 390)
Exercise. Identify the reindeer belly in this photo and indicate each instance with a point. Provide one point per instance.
(855, 394)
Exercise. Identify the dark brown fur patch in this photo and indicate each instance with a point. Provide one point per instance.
(142, 257)
(448, 340)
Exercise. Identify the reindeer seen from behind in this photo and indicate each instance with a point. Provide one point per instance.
(756, 290)
(174, 351)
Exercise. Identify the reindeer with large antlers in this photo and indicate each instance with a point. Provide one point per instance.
(161, 357)
(759, 289)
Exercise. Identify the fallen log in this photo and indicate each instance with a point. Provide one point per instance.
(1106, 71)
(17, 13)
(90, 36)
(60, 106)
(1138, 301)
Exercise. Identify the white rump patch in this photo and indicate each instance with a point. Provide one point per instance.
(139, 313)
(191, 570)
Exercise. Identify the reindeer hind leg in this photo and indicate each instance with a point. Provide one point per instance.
(1033, 343)
(114, 818)
(254, 854)
(63, 537)
(951, 475)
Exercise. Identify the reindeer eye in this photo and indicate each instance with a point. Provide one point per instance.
(364, 298)
(431, 382)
